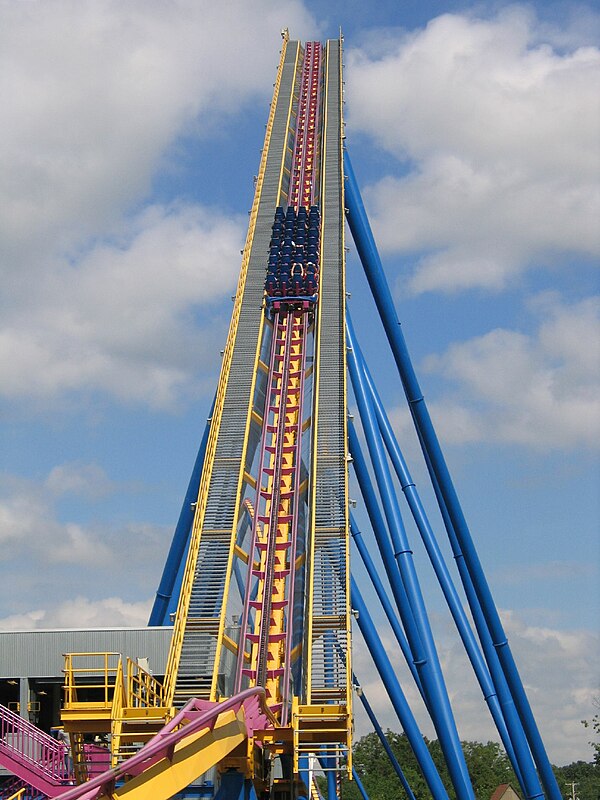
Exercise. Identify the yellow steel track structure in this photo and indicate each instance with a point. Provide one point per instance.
(290, 547)
(325, 715)
(181, 620)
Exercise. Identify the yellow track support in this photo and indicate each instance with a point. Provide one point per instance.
(80, 769)
(191, 757)
(276, 597)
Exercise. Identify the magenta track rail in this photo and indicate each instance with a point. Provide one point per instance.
(302, 185)
(289, 324)
(289, 329)
(193, 717)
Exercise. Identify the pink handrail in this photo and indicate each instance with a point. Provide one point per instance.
(198, 714)
(32, 747)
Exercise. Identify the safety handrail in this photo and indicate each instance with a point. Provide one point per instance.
(116, 714)
(18, 794)
(193, 717)
(32, 747)
(143, 690)
(119, 698)
(101, 675)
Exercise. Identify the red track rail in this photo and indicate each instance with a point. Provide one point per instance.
(285, 390)
(302, 183)
(272, 554)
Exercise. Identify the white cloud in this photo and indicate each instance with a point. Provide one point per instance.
(122, 319)
(96, 93)
(87, 480)
(30, 528)
(95, 296)
(559, 672)
(500, 133)
(81, 612)
(540, 389)
(558, 669)
(58, 558)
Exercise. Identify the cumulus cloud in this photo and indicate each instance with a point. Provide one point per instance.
(29, 527)
(101, 285)
(87, 480)
(122, 319)
(537, 389)
(58, 558)
(497, 132)
(80, 612)
(544, 655)
(96, 93)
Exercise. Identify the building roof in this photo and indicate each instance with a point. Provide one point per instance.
(40, 653)
(505, 792)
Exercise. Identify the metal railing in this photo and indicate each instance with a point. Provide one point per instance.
(33, 748)
(97, 678)
(143, 690)
(18, 795)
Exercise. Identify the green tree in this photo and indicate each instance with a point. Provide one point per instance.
(594, 725)
(585, 776)
(378, 775)
(488, 766)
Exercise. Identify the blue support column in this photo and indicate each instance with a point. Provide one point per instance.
(365, 244)
(386, 745)
(431, 674)
(384, 600)
(531, 784)
(234, 786)
(396, 695)
(173, 601)
(160, 610)
(304, 771)
(359, 785)
(415, 653)
(532, 787)
(332, 793)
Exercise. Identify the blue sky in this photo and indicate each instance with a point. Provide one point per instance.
(133, 134)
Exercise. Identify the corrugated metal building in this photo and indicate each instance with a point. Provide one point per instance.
(32, 662)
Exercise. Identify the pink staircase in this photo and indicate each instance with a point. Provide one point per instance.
(11, 789)
(32, 755)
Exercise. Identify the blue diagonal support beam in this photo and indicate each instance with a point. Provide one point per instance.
(438, 702)
(520, 756)
(367, 250)
(177, 552)
(396, 695)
